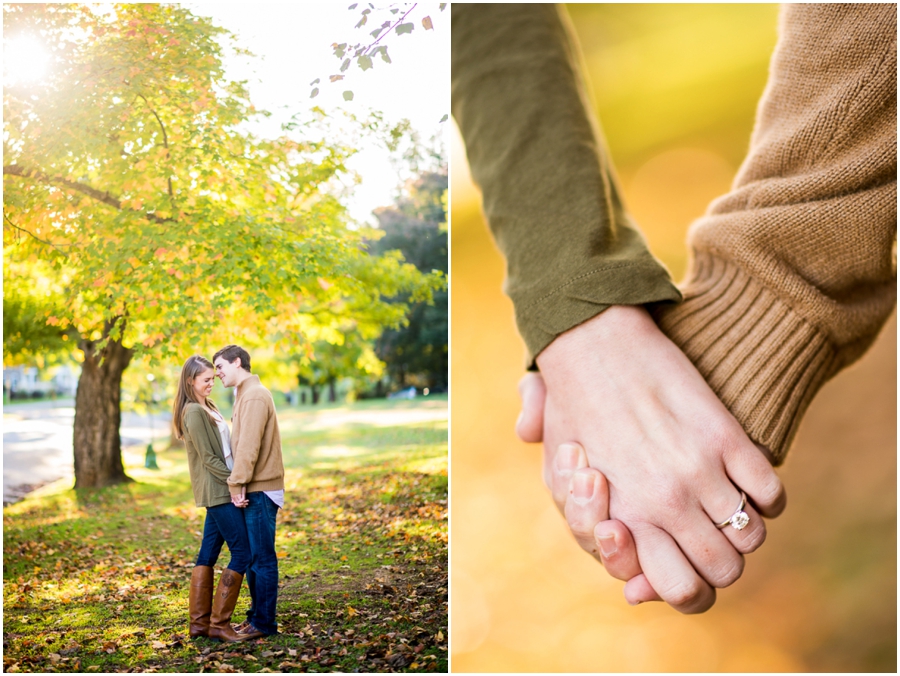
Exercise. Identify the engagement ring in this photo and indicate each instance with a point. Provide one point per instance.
(739, 519)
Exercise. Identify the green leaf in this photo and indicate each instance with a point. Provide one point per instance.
(353, 6)
(314, 93)
(365, 62)
(348, 95)
(444, 119)
(375, 33)
(362, 22)
(345, 65)
(442, 6)
(314, 82)
(404, 28)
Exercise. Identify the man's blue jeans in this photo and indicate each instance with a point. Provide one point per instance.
(225, 523)
(262, 576)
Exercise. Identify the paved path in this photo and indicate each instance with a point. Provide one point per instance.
(37, 442)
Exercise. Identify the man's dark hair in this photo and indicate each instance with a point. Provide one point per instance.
(231, 352)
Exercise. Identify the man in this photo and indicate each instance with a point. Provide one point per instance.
(256, 482)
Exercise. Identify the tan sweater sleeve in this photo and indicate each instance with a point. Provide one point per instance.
(549, 193)
(793, 272)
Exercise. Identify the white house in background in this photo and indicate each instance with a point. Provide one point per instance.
(28, 381)
(65, 381)
(20, 379)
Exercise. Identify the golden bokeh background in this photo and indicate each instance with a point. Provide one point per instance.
(676, 88)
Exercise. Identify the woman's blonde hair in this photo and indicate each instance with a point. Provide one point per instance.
(192, 368)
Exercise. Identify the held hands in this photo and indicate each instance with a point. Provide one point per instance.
(675, 461)
(240, 500)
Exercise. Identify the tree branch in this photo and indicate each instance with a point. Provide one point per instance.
(30, 234)
(396, 23)
(104, 197)
(165, 140)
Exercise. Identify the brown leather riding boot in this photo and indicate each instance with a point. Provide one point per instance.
(200, 600)
(225, 598)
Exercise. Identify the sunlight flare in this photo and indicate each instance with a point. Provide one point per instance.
(25, 60)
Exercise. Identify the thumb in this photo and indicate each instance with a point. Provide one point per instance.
(530, 425)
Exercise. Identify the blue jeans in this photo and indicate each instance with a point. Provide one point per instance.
(262, 577)
(225, 523)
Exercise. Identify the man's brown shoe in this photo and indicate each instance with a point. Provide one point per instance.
(251, 632)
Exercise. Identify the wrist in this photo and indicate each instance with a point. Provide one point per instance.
(612, 335)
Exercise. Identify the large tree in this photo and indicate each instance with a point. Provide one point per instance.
(417, 226)
(130, 174)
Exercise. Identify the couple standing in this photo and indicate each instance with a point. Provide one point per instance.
(239, 477)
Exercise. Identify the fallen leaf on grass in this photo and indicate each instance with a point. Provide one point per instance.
(291, 665)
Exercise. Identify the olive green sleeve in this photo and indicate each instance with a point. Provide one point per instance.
(206, 440)
(548, 189)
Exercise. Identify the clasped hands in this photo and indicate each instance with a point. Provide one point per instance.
(240, 499)
(644, 460)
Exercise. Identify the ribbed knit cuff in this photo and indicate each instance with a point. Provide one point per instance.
(763, 361)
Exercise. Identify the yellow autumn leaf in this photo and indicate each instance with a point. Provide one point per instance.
(351, 611)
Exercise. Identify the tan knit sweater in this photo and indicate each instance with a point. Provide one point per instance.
(792, 272)
(255, 440)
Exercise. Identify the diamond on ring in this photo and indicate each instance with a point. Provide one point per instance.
(739, 519)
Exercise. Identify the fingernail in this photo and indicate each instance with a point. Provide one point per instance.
(634, 603)
(583, 487)
(567, 458)
(607, 545)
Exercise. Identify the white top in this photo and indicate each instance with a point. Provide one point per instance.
(225, 433)
(277, 497)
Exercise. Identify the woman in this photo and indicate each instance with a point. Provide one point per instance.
(206, 438)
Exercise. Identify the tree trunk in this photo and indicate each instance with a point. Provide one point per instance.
(315, 395)
(97, 444)
(332, 392)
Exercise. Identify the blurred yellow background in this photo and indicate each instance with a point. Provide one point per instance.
(676, 88)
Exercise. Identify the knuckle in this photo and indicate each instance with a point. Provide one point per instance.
(578, 524)
(685, 595)
(671, 498)
(722, 432)
(770, 491)
(754, 539)
(728, 573)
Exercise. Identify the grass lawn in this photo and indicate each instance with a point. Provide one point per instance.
(98, 580)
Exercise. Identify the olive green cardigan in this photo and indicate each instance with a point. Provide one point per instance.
(206, 459)
(792, 272)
